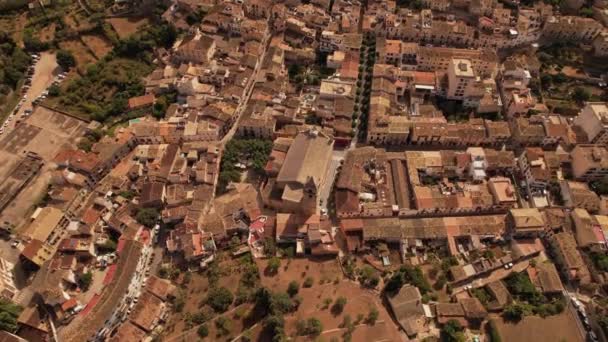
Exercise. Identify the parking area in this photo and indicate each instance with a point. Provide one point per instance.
(43, 73)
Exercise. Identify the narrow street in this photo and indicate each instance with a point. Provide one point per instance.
(240, 109)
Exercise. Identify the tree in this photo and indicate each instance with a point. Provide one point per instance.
(452, 331)
(54, 90)
(65, 59)
(581, 95)
(223, 325)
(586, 12)
(219, 299)
(308, 282)
(85, 281)
(514, 312)
(600, 186)
(147, 216)
(311, 327)
(338, 306)
(493, 332)
(280, 303)
(203, 331)
(368, 277)
(109, 245)
(273, 265)
(441, 281)
(560, 77)
(600, 260)
(293, 288)
(275, 325)
(407, 275)
(159, 108)
(372, 316)
(314, 326)
(9, 312)
(85, 144)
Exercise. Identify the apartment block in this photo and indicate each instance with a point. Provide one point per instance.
(593, 121)
(589, 162)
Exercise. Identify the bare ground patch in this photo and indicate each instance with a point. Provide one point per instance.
(126, 26)
(80, 51)
(557, 328)
(98, 44)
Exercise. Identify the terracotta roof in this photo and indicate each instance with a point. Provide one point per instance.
(141, 101)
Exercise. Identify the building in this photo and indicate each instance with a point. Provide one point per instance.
(593, 121)
(190, 243)
(44, 221)
(147, 312)
(540, 167)
(519, 102)
(588, 229)
(568, 259)
(503, 191)
(8, 290)
(546, 278)
(302, 175)
(589, 162)
(579, 195)
(461, 79)
(527, 222)
(407, 308)
(197, 49)
(139, 102)
(600, 44)
(572, 28)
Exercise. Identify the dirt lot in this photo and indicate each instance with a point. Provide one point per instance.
(126, 26)
(77, 21)
(533, 328)
(98, 44)
(44, 132)
(322, 271)
(80, 51)
(329, 283)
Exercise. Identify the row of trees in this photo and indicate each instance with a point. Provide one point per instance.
(364, 84)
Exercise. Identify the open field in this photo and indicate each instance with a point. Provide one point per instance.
(126, 26)
(15, 25)
(98, 44)
(321, 270)
(195, 293)
(47, 33)
(329, 283)
(80, 51)
(533, 328)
